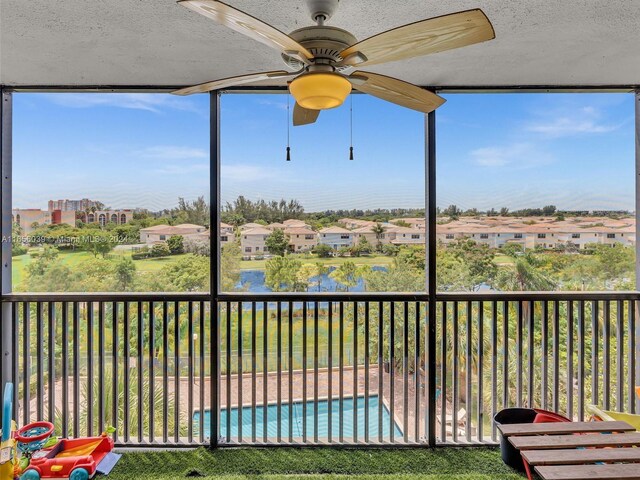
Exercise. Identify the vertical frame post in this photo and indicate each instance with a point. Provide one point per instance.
(636, 333)
(214, 267)
(430, 152)
(7, 324)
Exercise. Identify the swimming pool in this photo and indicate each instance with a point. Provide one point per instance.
(298, 419)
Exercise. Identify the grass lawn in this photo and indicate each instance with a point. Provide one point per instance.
(381, 260)
(322, 463)
(72, 259)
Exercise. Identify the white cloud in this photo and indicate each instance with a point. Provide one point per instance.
(151, 102)
(172, 152)
(518, 154)
(568, 123)
(244, 173)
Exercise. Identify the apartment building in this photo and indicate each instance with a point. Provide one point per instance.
(67, 205)
(102, 217)
(29, 218)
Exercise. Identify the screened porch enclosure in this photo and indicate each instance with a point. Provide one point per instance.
(287, 368)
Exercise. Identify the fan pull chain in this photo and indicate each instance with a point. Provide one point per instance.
(288, 136)
(351, 127)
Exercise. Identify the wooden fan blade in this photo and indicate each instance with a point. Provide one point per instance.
(396, 91)
(247, 25)
(233, 81)
(304, 116)
(421, 38)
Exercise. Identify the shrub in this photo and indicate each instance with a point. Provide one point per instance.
(322, 250)
(160, 250)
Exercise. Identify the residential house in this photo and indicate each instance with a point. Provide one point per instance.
(162, 233)
(252, 241)
(301, 239)
(336, 237)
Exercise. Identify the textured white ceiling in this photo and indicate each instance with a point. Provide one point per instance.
(157, 42)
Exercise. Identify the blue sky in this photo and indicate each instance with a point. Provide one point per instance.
(144, 150)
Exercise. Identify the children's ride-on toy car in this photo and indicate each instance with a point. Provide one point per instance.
(76, 459)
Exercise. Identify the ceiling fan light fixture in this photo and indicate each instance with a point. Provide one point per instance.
(320, 90)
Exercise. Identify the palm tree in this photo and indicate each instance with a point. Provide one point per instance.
(524, 276)
(378, 229)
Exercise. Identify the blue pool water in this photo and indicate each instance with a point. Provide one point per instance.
(299, 418)
(253, 281)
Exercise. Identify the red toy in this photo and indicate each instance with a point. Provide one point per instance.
(75, 459)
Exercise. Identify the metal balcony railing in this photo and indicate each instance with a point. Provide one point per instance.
(167, 370)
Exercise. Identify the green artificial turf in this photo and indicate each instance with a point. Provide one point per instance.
(320, 463)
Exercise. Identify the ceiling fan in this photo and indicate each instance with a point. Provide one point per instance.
(326, 59)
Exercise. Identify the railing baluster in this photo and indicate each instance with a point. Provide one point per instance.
(570, 359)
(544, 329)
(76, 369)
(176, 371)
(531, 353)
(480, 370)
(115, 350)
(443, 375)
(279, 372)
(380, 369)
(240, 372)
(556, 356)
(456, 375)
(202, 329)
(229, 369)
(392, 369)
(304, 372)
(416, 371)
(140, 374)
(101, 367)
(519, 354)
(355, 372)
(316, 353)
(595, 375)
(253, 371)
(26, 363)
(581, 368)
(265, 371)
(152, 372)
(405, 373)
(89, 399)
(190, 374)
(619, 355)
(51, 342)
(290, 358)
(40, 360)
(367, 340)
(165, 372)
(494, 365)
(330, 372)
(632, 357)
(341, 372)
(468, 370)
(126, 339)
(606, 355)
(636, 349)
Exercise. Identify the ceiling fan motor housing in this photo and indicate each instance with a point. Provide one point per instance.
(325, 43)
(322, 10)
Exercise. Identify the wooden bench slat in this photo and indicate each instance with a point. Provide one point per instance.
(555, 428)
(548, 442)
(590, 472)
(581, 457)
